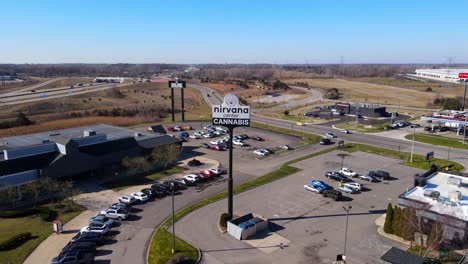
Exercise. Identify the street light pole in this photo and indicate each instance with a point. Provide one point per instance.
(346, 230)
(172, 188)
(412, 144)
(201, 123)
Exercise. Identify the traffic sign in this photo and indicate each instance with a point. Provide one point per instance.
(430, 155)
(463, 75)
(230, 113)
(177, 84)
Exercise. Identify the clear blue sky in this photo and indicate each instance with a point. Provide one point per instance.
(218, 31)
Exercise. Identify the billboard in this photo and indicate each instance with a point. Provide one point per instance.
(230, 113)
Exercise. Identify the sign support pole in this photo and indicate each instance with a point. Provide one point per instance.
(464, 96)
(182, 104)
(172, 104)
(230, 181)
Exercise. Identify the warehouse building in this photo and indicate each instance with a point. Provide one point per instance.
(90, 150)
(441, 197)
(109, 80)
(442, 75)
(370, 110)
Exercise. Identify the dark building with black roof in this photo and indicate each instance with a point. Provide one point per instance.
(370, 110)
(398, 256)
(71, 152)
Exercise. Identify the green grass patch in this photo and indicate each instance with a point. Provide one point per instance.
(360, 127)
(308, 138)
(439, 140)
(419, 161)
(129, 181)
(161, 248)
(39, 228)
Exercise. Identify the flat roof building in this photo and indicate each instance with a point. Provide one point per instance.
(442, 75)
(109, 79)
(370, 110)
(71, 152)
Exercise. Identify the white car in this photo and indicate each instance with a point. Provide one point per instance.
(208, 135)
(348, 172)
(238, 142)
(354, 185)
(346, 131)
(217, 171)
(139, 196)
(196, 136)
(116, 213)
(192, 178)
(199, 133)
(222, 129)
(216, 141)
(102, 229)
(346, 189)
(367, 178)
(330, 135)
(311, 188)
(127, 199)
(261, 152)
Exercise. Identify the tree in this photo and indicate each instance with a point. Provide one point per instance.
(451, 104)
(165, 154)
(388, 220)
(407, 230)
(23, 120)
(436, 237)
(396, 223)
(286, 112)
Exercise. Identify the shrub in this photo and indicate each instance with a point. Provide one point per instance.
(47, 214)
(14, 240)
(223, 220)
(18, 213)
(286, 112)
(388, 220)
(428, 89)
(179, 259)
(194, 162)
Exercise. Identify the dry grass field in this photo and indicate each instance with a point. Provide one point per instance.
(358, 91)
(12, 86)
(67, 82)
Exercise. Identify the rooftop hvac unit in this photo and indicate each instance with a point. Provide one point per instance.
(454, 181)
(88, 133)
(138, 134)
(455, 196)
(419, 180)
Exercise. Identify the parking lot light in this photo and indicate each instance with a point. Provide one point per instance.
(347, 209)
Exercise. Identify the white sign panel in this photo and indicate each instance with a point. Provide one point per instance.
(231, 113)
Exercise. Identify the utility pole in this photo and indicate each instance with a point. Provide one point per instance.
(347, 209)
(412, 144)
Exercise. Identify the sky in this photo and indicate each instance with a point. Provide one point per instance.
(240, 31)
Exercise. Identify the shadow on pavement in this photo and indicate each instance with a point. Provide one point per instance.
(103, 252)
(102, 261)
(245, 248)
(70, 231)
(112, 233)
(324, 216)
(108, 241)
(133, 218)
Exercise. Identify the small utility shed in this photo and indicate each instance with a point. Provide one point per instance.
(398, 256)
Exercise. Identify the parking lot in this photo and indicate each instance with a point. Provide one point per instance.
(314, 225)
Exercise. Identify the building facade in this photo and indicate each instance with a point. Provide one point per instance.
(442, 75)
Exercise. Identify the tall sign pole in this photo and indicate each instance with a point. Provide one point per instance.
(464, 75)
(181, 85)
(231, 114)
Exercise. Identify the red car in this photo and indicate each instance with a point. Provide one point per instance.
(207, 173)
(202, 177)
(216, 147)
(170, 129)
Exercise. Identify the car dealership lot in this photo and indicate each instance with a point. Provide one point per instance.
(315, 225)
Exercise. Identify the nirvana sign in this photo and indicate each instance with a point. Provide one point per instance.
(231, 113)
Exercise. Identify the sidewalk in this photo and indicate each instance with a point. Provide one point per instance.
(380, 223)
(95, 198)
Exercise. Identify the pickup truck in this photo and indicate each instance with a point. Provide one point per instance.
(74, 258)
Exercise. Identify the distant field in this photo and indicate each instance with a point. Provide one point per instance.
(67, 82)
(10, 87)
(356, 91)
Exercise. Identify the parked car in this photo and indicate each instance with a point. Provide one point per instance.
(196, 136)
(336, 176)
(149, 192)
(187, 127)
(348, 172)
(192, 178)
(239, 142)
(309, 187)
(366, 177)
(299, 123)
(257, 138)
(379, 174)
(330, 135)
(160, 187)
(320, 184)
(346, 189)
(184, 134)
(243, 136)
(415, 125)
(216, 141)
(177, 129)
(216, 147)
(346, 131)
(354, 185)
(216, 171)
(101, 220)
(262, 152)
(182, 181)
(204, 145)
(171, 184)
(79, 247)
(427, 128)
(209, 135)
(74, 258)
(95, 229)
(86, 237)
(207, 173)
(127, 199)
(170, 129)
(139, 196)
(325, 141)
(286, 147)
(334, 194)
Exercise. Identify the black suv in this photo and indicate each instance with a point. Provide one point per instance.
(334, 194)
(325, 141)
(379, 174)
(336, 176)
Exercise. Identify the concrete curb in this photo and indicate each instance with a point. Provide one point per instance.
(379, 222)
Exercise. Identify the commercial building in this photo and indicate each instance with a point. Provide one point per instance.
(441, 197)
(109, 80)
(7, 78)
(448, 118)
(91, 150)
(442, 75)
(370, 110)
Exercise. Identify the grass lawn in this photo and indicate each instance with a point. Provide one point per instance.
(453, 257)
(39, 228)
(126, 182)
(439, 140)
(161, 251)
(308, 138)
(419, 161)
(360, 127)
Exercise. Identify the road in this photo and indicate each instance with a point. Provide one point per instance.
(457, 155)
(314, 96)
(33, 87)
